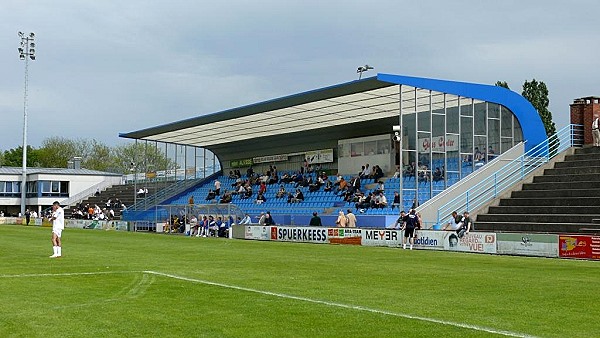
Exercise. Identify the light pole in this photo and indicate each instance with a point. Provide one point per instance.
(362, 69)
(26, 52)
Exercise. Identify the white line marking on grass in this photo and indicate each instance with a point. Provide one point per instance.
(346, 306)
(28, 275)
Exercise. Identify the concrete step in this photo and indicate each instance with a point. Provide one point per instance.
(588, 150)
(578, 163)
(537, 218)
(567, 178)
(588, 228)
(562, 185)
(542, 200)
(545, 210)
(572, 171)
(564, 193)
(580, 157)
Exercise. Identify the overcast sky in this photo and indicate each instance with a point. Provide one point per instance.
(105, 67)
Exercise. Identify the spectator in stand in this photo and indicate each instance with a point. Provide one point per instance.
(249, 172)
(191, 200)
(281, 192)
(479, 156)
(437, 175)
(380, 187)
(397, 172)
(351, 219)
(246, 220)
(342, 220)
(410, 170)
(248, 193)
(366, 171)
(338, 180)
(211, 195)
(315, 221)
(343, 186)
(396, 202)
(226, 197)
(217, 187)
(232, 175)
(378, 173)
(286, 178)
(364, 202)
(262, 188)
(140, 192)
(298, 196)
(381, 202)
(260, 198)
(328, 185)
(213, 227)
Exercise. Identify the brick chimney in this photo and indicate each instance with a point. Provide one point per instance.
(583, 111)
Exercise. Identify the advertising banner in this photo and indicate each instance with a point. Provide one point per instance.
(261, 233)
(437, 143)
(478, 242)
(98, 225)
(319, 156)
(344, 236)
(270, 158)
(245, 162)
(387, 237)
(299, 234)
(541, 245)
(579, 246)
(429, 239)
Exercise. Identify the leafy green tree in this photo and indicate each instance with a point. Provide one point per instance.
(146, 157)
(14, 157)
(57, 151)
(502, 84)
(537, 93)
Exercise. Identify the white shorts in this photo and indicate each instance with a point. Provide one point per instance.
(58, 232)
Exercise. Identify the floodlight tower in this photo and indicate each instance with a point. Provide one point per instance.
(26, 52)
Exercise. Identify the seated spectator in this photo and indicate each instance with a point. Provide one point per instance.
(380, 201)
(397, 172)
(286, 178)
(365, 172)
(437, 175)
(328, 185)
(281, 192)
(140, 192)
(249, 172)
(260, 198)
(478, 156)
(396, 202)
(226, 197)
(364, 202)
(211, 195)
(246, 220)
(232, 175)
(297, 197)
(213, 227)
(342, 187)
(194, 226)
(378, 173)
(409, 170)
(315, 185)
(380, 187)
(262, 188)
(248, 192)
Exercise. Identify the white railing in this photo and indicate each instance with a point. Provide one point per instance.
(513, 172)
(90, 191)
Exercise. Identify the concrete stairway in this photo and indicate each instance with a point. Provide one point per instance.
(565, 199)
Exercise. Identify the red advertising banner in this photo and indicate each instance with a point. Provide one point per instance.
(579, 246)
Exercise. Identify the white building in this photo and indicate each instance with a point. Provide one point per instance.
(46, 185)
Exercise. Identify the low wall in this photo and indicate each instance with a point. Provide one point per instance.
(520, 244)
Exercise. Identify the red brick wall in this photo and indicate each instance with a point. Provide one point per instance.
(584, 114)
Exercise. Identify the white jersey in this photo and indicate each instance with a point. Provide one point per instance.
(59, 219)
(595, 123)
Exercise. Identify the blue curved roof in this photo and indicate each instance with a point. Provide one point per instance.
(533, 128)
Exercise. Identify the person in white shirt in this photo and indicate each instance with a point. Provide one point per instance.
(58, 224)
(596, 132)
(246, 220)
(217, 187)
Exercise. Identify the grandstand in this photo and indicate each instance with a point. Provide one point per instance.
(388, 120)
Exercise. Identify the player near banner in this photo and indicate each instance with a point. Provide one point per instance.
(58, 225)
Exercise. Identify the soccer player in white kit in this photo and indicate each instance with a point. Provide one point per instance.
(58, 224)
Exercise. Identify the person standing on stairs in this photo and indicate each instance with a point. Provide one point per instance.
(596, 132)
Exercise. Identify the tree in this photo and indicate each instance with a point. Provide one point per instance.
(503, 84)
(14, 157)
(147, 157)
(57, 151)
(537, 93)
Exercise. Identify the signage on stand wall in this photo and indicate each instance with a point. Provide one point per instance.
(437, 143)
(542, 245)
(299, 234)
(478, 242)
(579, 246)
(319, 156)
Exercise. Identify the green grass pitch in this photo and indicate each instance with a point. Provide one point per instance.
(118, 284)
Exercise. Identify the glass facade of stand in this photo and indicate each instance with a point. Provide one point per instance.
(447, 137)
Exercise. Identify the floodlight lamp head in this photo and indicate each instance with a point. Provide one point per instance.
(20, 50)
(32, 45)
(367, 67)
(21, 34)
(32, 57)
(22, 56)
(360, 70)
(31, 35)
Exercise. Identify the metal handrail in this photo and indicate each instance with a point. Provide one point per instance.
(513, 172)
(90, 191)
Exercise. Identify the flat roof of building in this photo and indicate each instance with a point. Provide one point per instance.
(54, 171)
